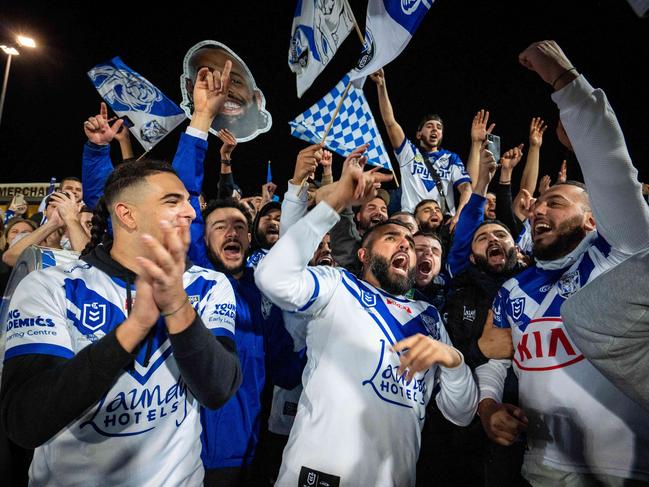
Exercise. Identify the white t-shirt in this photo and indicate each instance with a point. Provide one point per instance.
(145, 431)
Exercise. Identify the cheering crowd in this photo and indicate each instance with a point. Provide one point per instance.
(343, 335)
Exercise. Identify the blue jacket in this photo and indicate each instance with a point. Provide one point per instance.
(230, 433)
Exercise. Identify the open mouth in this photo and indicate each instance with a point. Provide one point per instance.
(496, 254)
(325, 260)
(232, 250)
(400, 263)
(424, 268)
(375, 220)
(541, 228)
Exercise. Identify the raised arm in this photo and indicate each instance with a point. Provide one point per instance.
(226, 178)
(479, 132)
(283, 275)
(395, 132)
(294, 204)
(96, 163)
(615, 194)
(210, 91)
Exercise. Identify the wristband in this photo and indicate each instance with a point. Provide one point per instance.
(185, 301)
(562, 75)
(227, 162)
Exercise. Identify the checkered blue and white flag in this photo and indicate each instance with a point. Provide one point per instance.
(129, 94)
(353, 127)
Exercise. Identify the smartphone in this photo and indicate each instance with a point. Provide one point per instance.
(128, 123)
(19, 199)
(493, 146)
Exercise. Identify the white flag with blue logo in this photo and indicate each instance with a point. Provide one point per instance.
(152, 114)
(389, 26)
(354, 125)
(319, 28)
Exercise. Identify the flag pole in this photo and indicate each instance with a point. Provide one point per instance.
(356, 27)
(362, 39)
(331, 123)
(145, 153)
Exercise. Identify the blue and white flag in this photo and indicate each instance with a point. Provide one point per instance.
(130, 95)
(354, 125)
(389, 26)
(319, 28)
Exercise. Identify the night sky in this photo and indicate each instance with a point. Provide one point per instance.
(463, 58)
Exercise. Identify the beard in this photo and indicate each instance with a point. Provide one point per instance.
(263, 240)
(228, 269)
(482, 263)
(396, 285)
(569, 234)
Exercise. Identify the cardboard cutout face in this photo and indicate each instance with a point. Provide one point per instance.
(244, 112)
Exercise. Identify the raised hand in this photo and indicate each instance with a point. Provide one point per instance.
(487, 167)
(327, 159)
(479, 128)
(511, 158)
(307, 162)
(97, 128)
(420, 352)
(562, 177)
(211, 90)
(378, 77)
(523, 204)
(548, 60)
(537, 128)
(229, 143)
(66, 206)
(544, 184)
(267, 192)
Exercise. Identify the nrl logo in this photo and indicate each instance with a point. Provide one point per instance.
(518, 306)
(93, 315)
(368, 299)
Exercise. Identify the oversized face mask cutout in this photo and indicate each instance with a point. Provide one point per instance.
(244, 111)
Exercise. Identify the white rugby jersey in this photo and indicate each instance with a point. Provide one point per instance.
(358, 422)
(145, 431)
(417, 182)
(579, 421)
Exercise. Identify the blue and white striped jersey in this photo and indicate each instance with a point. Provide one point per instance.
(357, 418)
(145, 430)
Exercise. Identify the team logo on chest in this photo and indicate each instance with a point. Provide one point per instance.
(93, 315)
(518, 306)
(569, 284)
(369, 299)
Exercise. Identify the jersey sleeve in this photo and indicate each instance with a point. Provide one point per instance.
(37, 322)
(283, 275)
(218, 308)
(458, 172)
(405, 153)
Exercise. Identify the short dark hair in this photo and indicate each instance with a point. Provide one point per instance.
(423, 202)
(123, 176)
(70, 178)
(492, 222)
(427, 118)
(217, 204)
(402, 212)
(432, 235)
(366, 235)
(580, 185)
